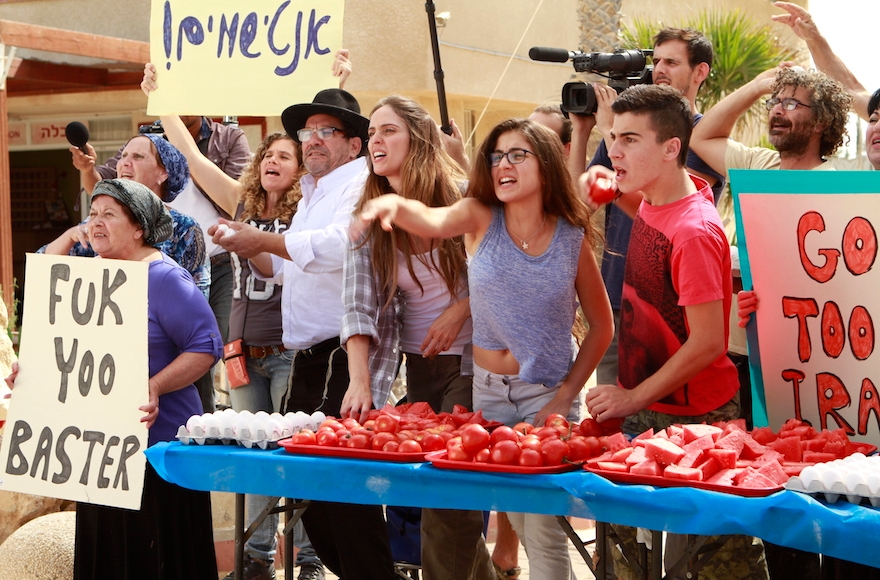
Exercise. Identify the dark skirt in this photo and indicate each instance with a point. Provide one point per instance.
(170, 538)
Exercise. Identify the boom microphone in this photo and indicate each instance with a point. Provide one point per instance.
(547, 54)
(77, 135)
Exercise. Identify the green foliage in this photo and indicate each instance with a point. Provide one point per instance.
(744, 48)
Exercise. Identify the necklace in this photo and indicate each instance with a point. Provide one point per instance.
(524, 243)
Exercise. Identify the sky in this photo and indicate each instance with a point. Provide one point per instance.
(849, 33)
(847, 24)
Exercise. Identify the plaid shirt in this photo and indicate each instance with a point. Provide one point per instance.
(365, 315)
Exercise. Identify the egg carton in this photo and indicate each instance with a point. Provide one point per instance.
(837, 492)
(215, 436)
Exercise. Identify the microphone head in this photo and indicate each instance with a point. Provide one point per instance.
(547, 54)
(77, 134)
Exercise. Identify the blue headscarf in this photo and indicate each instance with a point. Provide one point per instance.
(175, 165)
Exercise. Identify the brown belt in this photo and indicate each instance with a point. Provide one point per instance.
(264, 351)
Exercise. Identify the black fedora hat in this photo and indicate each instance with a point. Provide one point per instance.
(334, 102)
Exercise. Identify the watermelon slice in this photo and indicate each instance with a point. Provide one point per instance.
(694, 432)
(709, 468)
(790, 447)
(705, 442)
(637, 456)
(647, 467)
(723, 477)
(692, 458)
(818, 457)
(616, 442)
(686, 473)
(726, 457)
(663, 451)
(613, 466)
(774, 472)
(763, 435)
(734, 439)
(621, 455)
(754, 480)
(751, 448)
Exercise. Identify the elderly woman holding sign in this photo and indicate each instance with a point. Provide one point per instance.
(171, 536)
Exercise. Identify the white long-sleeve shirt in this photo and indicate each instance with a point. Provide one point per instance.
(311, 306)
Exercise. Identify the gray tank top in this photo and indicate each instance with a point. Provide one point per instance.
(526, 303)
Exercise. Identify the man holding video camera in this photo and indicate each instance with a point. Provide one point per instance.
(682, 60)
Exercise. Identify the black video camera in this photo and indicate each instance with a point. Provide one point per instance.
(624, 67)
(154, 128)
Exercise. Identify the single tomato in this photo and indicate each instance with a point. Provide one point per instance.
(590, 427)
(502, 433)
(433, 442)
(386, 424)
(457, 453)
(579, 448)
(530, 458)
(603, 190)
(409, 446)
(327, 438)
(483, 456)
(554, 451)
(305, 437)
(524, 428)
(474, 437)
(359, 441)
(351, 424)
(531, 442)
(558, 422)
(391, 446)
(505, 453)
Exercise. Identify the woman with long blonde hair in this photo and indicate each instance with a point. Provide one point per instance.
(425, 278)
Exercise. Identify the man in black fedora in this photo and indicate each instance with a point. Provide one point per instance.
(350, 539)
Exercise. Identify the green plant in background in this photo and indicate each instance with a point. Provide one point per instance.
(744, 48)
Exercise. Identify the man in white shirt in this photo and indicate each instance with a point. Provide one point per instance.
(351, 540)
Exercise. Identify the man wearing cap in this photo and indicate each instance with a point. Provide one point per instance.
(351, 540)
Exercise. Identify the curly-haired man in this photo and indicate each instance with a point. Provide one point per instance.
(807, 112)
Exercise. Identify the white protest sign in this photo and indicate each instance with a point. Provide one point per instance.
(227, 57)
(73, 430)
(809, 242)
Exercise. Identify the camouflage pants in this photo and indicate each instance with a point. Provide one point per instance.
(740, 557)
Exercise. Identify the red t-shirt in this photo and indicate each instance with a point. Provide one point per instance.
(678, 256)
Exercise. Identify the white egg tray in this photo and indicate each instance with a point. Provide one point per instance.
(250, 430)
(855, 479)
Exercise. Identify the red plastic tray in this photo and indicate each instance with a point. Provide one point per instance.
(656, 481)
(324, 451)
(438, 459)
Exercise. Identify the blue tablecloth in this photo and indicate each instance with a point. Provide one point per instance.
(788, 518)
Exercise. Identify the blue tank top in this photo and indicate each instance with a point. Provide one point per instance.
(526, 304)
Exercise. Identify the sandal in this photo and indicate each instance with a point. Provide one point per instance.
(511, 574)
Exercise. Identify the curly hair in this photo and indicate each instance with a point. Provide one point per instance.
(253, 196)
(829, 104)
(428, 175)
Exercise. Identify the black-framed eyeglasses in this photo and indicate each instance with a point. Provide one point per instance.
(515, 156)
(322, 132)
(788, 104)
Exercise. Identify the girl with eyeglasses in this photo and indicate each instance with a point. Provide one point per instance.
(530, 246)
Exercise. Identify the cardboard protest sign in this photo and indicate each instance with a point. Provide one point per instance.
(73, 430)
(227, 57)
(808, 247)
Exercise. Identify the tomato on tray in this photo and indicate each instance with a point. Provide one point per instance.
(439, 459)
(352, 452)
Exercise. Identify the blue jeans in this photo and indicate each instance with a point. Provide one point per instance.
(269, 377)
